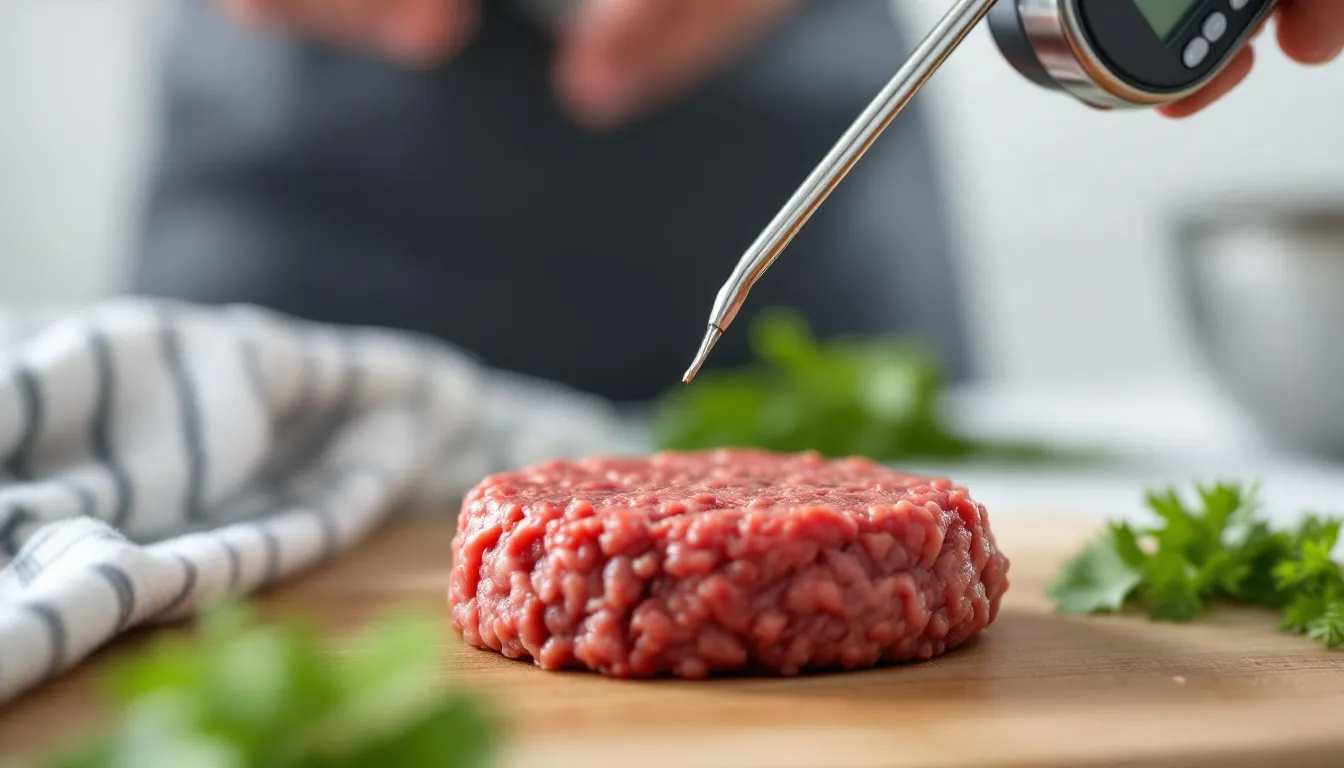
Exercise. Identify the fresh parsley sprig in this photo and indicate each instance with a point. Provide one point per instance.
(246, 695)
(1218, 550)
(881, 398)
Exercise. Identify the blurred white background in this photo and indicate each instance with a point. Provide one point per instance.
(1060, 209)
(76, 83)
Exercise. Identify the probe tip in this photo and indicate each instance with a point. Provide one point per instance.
(711, 338)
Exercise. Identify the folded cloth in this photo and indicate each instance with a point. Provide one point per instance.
(158, 455)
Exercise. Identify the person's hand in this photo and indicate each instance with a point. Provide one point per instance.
(620, 58)
(616, 58)
(1309, 32)
(411, 31)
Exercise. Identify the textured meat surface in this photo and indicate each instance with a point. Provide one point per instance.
(721, 561)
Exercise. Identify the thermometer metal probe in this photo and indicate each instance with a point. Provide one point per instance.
(927, 58)
(1110, 54)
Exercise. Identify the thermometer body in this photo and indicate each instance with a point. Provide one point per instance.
(1106, 53)
(1119, 54)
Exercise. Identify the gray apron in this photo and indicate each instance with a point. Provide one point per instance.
(461, 202)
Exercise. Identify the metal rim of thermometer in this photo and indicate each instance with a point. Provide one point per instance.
(1106, 53)
(1121, 54)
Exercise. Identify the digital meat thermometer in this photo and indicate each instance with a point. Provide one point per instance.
(1106, 53)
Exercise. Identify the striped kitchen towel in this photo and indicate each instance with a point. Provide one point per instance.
(156, 455)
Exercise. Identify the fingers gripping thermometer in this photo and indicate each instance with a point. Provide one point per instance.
(1109, 54)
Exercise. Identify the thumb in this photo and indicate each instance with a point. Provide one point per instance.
(425, 31)
(1312, 31)
(597, 72)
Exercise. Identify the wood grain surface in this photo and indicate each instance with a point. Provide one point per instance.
(1038, 689)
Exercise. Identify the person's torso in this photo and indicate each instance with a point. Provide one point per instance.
(462, 201)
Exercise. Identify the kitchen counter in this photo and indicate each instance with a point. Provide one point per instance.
(1039, 689)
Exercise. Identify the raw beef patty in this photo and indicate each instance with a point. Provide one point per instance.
(723, 561)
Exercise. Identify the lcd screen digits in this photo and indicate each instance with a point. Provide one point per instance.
(1164, 16)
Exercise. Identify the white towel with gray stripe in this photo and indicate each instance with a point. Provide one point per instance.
(157, 455)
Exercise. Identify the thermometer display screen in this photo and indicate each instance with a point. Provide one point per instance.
(1164, 16)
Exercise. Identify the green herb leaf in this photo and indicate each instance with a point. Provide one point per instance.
(1216, 550)
(1127, 545)
(880, 398)
(1328, 628)
(1305, 609)
(1170, 587)
(243, 694)
(453, 734)
(1099, 579)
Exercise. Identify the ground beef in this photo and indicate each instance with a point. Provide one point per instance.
(722, 561)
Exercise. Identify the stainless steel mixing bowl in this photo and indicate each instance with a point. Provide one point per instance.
(1264, 286)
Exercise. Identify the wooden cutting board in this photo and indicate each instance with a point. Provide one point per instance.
(1038, 689)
